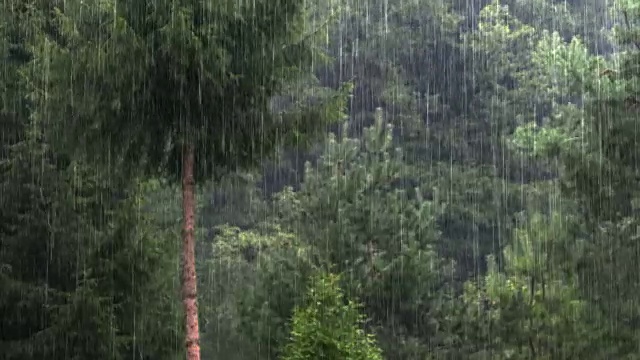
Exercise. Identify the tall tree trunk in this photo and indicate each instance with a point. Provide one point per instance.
(189, 285)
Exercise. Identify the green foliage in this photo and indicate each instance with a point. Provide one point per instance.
(93, 276)
(251, 283)
(191, 74)
(596, 148)
(327, 328)
(592, 139)
(88, 88)
(355, 210)
(532, 309)
(538, 141)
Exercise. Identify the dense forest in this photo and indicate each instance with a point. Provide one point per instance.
(320, 179)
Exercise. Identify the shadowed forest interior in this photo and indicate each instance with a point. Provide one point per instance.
(320, 179)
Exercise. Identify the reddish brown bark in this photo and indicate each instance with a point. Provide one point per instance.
(189, 285)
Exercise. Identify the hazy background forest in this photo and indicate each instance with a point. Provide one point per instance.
(469, 188)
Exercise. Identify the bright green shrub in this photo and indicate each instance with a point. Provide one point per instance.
(329, 327)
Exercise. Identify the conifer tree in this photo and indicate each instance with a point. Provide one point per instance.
(595, 143)
(177, 88)
(327, 328)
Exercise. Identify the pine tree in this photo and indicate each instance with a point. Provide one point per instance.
(177, 88)
(327, 328)
(595, 143)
